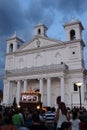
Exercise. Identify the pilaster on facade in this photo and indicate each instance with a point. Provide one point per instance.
(6, 96)
(48, 91)
(18, 91)
(62, 88)
(25, 86)
(41, 88)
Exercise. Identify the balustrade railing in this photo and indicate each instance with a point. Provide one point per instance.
(38, 69)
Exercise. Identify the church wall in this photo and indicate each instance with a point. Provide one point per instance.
(69, 55)
(55, 56)
(71, 96)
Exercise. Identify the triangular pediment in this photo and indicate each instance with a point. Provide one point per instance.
(40, 42)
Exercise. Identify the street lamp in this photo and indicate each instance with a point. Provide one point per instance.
(79, 86)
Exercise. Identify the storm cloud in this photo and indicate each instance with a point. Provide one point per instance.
(66, 6)
(13, 17)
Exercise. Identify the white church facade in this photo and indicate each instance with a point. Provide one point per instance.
(52, 67)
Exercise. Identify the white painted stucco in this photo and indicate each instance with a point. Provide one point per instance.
(56, 63)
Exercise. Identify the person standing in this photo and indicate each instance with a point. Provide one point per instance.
(17, 119)
(7, 124)
(61, 115)
(36, 124)
(58, 100)
(75, 121)
(50, 118)
(66, 126)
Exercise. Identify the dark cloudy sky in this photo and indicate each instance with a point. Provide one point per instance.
(22, 15)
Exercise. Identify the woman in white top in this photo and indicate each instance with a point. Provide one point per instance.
(61, 115)
(75, 121)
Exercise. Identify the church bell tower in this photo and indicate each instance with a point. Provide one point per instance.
(73, 30)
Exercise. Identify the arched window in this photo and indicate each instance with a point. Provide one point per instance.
(72, 35)
(39, 31)
(75, 87)
(11, 48)
(18, 46)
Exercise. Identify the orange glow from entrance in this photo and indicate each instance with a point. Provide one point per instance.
(38, 107)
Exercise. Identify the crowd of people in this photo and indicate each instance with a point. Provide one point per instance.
(62, 118)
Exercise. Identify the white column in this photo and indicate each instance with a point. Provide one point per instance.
(25, 86)
(18, 92)
(48, 92)
(41, 89)
(8, 92)
(14, 46)
(5, 92)
(62, 88)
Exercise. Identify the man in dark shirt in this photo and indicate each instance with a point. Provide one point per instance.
(36, 123)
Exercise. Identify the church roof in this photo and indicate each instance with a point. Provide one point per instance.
(43, 41)
(41, 24)
(73, 22)
(14, 36)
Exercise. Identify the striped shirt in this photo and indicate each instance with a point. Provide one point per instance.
(49, 116)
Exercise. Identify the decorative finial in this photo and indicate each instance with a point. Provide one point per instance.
(15, 33)
(73, 19)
